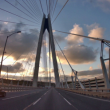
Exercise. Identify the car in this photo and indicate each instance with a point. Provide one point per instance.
(2, 93)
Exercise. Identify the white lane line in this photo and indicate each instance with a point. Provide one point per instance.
(36, 101)
(90, 97)
(32, 103)
(17, 96)
(67, 101)
(45, 93)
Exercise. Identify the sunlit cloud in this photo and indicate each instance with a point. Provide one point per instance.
(95, 31)
(5, 23)
(53, 31)
(90, 68)
(73, 38)
(107, 49)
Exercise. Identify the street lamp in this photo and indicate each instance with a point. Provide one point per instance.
(4, 49)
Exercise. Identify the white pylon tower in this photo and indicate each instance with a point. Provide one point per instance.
(46, 24)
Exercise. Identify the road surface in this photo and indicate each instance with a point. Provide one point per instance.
(51, 99)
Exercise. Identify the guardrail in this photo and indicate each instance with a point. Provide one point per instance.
(17, 88)
(102, 93)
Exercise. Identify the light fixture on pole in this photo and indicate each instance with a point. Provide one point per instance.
(4, 49)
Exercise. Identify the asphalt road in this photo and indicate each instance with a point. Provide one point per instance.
(51, 99)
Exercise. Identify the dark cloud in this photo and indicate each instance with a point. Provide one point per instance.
(59, 38)
(18, 67)
(78, 54)
(20, 44)
(90, 72)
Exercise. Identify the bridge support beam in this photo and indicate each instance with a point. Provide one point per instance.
(53, 53)
(62, 83)
(75, 79)
(96, 83)
(106, 80)
(89, 84)
(72, 81)
(2, 83)
(36, 69)
(18, 83)
(46, 24)
(109, 66)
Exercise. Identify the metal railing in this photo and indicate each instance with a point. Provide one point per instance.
(12, 88)
(91, 92)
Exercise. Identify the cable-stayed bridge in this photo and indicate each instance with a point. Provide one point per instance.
(30, 87)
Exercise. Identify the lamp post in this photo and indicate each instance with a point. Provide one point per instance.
(4, 49)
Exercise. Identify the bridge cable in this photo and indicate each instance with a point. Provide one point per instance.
(61, 66)
(20, 10)
(30, 8)
(16, 23)
(70, 65)
(13, 63)
(41, 6)
(54, 8)
(35, 3)
(64, 55)
(36, 8)
(47, 7)
(26, 9)
(60, 11)
(51, 6)
(16, 15)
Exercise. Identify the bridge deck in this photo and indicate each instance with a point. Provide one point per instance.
(52, 99)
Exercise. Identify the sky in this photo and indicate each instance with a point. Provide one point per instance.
(84, 17)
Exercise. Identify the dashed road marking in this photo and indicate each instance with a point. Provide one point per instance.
(36, 101)
(67, 101)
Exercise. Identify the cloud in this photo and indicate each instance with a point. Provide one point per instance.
(95, 31)
(59, 38)
(6, 23)
(53, 31)
(24, 44)
(62, 2)
(78, 54)
(73, 38)
(18, 67)
(107, 49)
(107, 65)
(89, 72)
(90, 68)
(102, 4)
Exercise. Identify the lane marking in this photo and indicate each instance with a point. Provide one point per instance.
(67, 101)
(18, 96)
(36, 101)
(46, 92)
(89, 97)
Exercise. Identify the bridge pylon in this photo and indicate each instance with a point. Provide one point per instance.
(46, 24)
